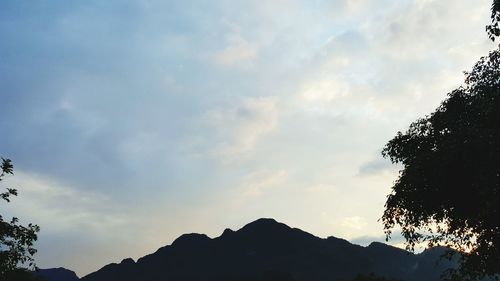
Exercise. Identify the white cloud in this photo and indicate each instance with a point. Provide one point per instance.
(241, 128)
(326, 90)
(59, 207)
(85, 222)
(322, 188)
(237, 50)
(257, 183)
(350, 226)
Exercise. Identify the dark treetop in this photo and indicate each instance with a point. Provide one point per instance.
(448, 191)
(16, 241)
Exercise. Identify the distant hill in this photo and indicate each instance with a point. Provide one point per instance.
(269, 250)
(57, 274)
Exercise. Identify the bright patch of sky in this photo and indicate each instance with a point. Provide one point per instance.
(132, 122)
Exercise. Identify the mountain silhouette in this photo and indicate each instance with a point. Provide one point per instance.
(268, 250)
(57, 274)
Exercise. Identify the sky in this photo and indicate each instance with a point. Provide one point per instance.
(130, 123)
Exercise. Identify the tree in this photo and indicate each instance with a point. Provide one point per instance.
(493, 29)
(448, 191)
(23, 274)
(16, 241)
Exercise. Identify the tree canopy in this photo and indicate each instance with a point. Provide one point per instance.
(448, 191)
(16, 241)
(493, 29)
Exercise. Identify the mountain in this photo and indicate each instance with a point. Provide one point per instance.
(268, 250)
(57, 274)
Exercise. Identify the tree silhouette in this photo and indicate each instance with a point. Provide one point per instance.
(448, 191)
(16, 241)
(22, 274)
(493, 29)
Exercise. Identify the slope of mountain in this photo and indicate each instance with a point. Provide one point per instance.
(57, 274)
(269, 250)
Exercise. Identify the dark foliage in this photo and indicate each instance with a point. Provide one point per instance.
(448, 191)
(493, 29)
(22, 274)
(16, 241)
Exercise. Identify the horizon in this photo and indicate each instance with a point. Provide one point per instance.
(130, 123)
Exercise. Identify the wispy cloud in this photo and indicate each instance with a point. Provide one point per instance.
(237, 49)
(241, 128)
(256, 184)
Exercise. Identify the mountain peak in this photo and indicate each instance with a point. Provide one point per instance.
(227, 232)
(59, 274)
(127, 261)
(376, 244)
(264, 220)
(265, 225)
(190, 239)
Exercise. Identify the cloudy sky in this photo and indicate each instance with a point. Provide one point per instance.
(132, 122)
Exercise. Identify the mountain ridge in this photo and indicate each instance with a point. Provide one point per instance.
(266, 248)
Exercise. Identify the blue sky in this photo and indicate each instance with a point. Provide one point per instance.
(132, 122)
